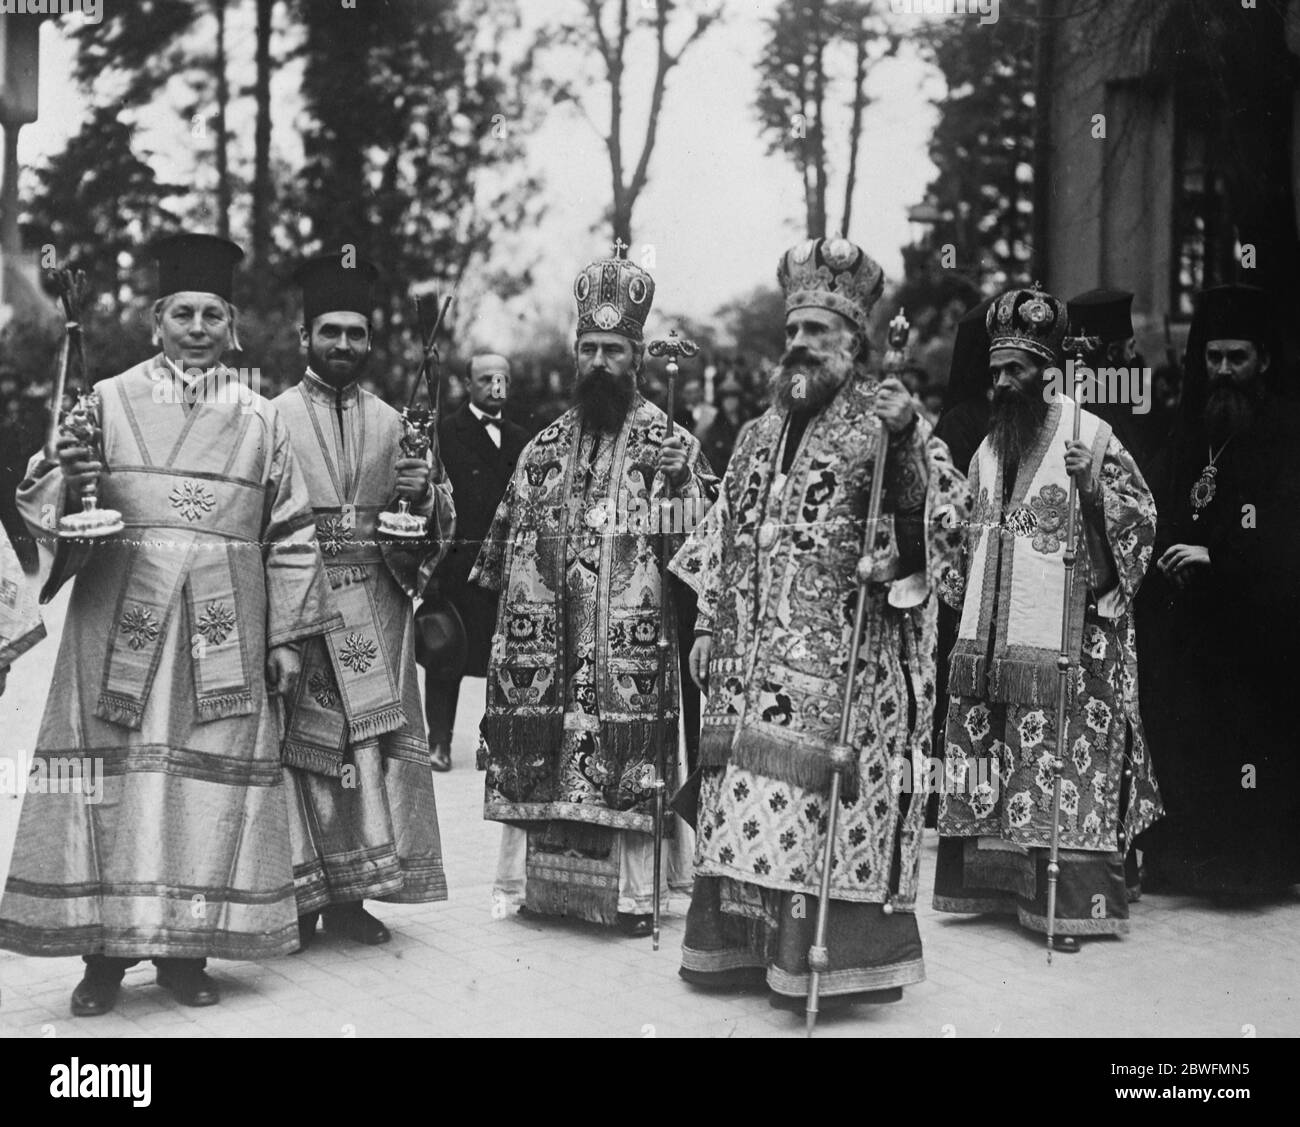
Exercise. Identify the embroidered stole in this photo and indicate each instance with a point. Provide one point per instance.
(348, 690)
(808, 567)
(526, 708)
(203, 518)
(1017, 564)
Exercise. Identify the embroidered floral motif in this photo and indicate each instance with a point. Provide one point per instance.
(215, 623)
(977, 723)
(1097, 715)
(140, 627)
(1020, 809)
(322, 688)
(1032, 726)
(192, 499)
(1082, 755)
(982, 800)
(333, 534)
(358, 653)
(1049, 510)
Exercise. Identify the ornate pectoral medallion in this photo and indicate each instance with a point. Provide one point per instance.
(1203, 490)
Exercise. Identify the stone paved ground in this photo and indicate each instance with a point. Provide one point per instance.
(452, 970)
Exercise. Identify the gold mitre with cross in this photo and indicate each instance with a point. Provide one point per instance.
(614, 296)
(831, 274)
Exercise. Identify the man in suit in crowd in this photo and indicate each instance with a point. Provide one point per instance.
(479, 448)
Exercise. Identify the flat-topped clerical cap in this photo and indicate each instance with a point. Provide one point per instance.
(1234, 313)
(1107, 314)
(190, 263)
(336, 283)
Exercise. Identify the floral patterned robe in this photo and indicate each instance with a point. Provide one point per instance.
(998, 782)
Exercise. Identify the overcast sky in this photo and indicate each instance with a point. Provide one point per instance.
(718, 211)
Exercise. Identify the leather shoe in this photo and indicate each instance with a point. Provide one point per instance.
(189, 985)
(1065, 944)
(635, 926)
(307, 929)
(95, 995)
(354, 922)
(440, 759)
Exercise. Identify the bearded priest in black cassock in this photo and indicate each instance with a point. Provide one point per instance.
(1220, 612)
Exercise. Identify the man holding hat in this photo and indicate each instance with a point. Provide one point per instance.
(364, 821)
(178, 633)
(1221, 611)
(996, 810)
(775, 566)
(572, 693)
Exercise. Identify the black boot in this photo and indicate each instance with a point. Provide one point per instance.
(307, 929)
(635, 926)
(97, 991)
(188, 982)
(353, 921)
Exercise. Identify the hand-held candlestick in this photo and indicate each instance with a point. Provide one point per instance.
(83, 421)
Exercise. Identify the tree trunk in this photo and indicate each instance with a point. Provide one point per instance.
(819, 127)
(855, 129)
(262, 188)
(223, 97)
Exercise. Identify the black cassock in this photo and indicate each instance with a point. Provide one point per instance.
(1218, 664)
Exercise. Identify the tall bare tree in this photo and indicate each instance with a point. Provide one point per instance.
(222, 136)
(263, 189)
(608, 29)
(815, 49)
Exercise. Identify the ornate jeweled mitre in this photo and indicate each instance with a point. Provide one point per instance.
(831, 274)
(614, 296)
(1030, 320)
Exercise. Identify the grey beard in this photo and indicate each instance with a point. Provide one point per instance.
(806, 381)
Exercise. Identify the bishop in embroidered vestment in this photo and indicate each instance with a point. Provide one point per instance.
(178, 632)
(572, 696)
(995, 810)
(364, 818)
(775, 568)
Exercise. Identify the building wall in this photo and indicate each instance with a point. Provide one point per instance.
(1110, 219)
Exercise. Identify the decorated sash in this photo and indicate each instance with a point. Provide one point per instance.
(198, 515)
(1017, 563)
(789, 570)
(548, 505)
(347, 691)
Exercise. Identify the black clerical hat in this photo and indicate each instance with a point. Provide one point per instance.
(1107, 314)
(968, 375)
(196, 263)
(1233, 313)
(336, 283)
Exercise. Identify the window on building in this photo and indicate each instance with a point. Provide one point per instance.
(1205, 249)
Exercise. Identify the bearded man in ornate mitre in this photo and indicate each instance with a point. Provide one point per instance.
(996, 811)
(568, 739)
(775, 566)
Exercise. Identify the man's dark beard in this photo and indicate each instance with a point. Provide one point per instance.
(1229, 409)
(806, 380)
(603, 400)
(1015, 420)
(318, 362)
